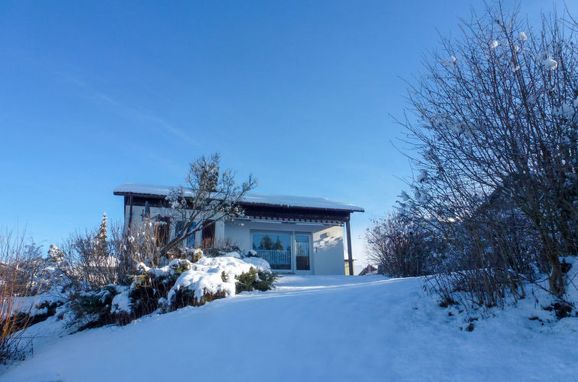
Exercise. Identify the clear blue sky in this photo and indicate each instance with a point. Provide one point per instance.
(298, 93)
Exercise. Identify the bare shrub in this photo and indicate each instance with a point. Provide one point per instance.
(487, 257)
(87, 267)
(400, 247)
(107, 256)
(131, 248)
(497, 127)
(92, 261)
(16, 278)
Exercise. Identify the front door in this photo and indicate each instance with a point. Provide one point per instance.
(208, 235)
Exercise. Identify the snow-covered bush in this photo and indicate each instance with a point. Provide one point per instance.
(108, 305)
(183, 283)
(34, 309)
(150, 286)
(50, 277)
(195, 255)
(179, 283)
(93, 308)
(217, 277)
(255, 280)
(121, 306)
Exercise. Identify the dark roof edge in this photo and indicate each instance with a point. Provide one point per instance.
(157, 196)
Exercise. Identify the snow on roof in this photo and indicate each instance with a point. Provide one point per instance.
(299, 201)
(253, 199)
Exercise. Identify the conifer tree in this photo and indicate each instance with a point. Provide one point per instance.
(101, 243)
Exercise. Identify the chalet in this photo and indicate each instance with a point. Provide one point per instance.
(294, 234)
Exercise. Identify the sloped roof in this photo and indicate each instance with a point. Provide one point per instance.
(248, 199)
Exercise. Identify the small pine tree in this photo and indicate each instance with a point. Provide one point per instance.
(101, 246)
(55, 254)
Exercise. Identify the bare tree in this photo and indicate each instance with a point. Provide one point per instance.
(86, 264)
(498, 110)
(210, 194)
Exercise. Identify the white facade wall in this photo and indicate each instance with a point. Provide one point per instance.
(329, 251)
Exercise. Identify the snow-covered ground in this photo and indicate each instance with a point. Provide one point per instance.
(312, 328)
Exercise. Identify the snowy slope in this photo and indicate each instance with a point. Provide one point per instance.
(313, 329)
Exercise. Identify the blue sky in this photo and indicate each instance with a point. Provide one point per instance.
(301, 94)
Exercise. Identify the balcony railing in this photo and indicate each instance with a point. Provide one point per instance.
(277, 259)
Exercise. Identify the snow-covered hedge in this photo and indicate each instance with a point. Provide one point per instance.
(101, 307)
(178, 284)
(182, 282)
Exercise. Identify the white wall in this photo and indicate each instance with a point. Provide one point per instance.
(328, 251)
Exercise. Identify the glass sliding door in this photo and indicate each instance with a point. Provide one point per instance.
(302, 252)
(275, 247)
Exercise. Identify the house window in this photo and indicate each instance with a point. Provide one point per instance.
(189, 241)
(275, 247)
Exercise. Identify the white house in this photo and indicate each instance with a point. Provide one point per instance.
(294, 234)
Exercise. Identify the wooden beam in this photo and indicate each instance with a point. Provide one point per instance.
(294, 213)
(349, 251)
(128, 229)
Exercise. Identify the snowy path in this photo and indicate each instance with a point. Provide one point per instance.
(313, 329)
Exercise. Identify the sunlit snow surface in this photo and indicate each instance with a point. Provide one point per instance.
(312, 328)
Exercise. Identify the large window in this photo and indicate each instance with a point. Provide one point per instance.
(289, 251)
(275, 247)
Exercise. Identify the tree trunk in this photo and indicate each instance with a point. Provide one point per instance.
(556, 279)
